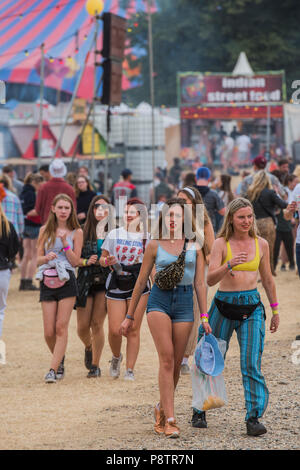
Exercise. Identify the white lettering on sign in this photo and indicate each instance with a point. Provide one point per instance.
(243, 82)
(243, 96)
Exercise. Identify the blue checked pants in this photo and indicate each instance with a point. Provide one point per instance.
(250, 334)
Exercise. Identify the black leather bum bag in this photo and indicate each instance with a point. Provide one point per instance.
(235, 311)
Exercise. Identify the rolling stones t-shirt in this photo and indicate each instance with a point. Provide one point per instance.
(126, 247)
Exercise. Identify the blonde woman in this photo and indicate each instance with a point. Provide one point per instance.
(9, 245)
(265, 202)
(60, 240)
(238, 256)
(192, 196)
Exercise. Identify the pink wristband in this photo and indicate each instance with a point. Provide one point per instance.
(66, 248)
(274, 305)
(205, 315)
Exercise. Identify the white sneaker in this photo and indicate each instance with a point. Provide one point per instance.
(50, 378)
(115, 365)
(129, 375)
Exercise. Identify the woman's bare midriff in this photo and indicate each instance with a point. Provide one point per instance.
(242, 280)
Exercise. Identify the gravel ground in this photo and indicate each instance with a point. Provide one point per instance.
(104, 414)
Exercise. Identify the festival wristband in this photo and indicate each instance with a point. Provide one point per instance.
(230, 268)
(129, 317)
(66, 248)
(204, 315)
(204, 319)
(275, 312)
(274, 305)
(84, 262)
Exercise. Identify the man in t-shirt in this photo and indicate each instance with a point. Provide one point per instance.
(243, 143)
(122, 191)
(56, 185)
(227, 152)
(212, 201)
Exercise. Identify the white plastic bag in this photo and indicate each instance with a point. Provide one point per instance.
(208, 392)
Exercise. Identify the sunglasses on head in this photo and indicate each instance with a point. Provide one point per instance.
(100, 206)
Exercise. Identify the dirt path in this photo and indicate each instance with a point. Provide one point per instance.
(104, 414)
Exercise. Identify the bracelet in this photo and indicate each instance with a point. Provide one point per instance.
(85, 262)
(105, 261)
(230, 268)
(205, 315)
(129, 317)
(275, 312)
(66, 248)
(204, 320)
(274, 305)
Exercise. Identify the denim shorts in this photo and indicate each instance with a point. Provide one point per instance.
(31, 232)
(176, 303)
(69, 289)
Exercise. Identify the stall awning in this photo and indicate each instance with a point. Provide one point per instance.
(231, 112)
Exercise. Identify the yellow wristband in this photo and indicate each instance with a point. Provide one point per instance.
(204, 320)
(84, 262)
(275, 312)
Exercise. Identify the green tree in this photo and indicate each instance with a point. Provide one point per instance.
(208, 35)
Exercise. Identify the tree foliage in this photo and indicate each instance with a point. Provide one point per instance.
(208, 35)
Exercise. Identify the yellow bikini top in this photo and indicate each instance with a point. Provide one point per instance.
(250, 265)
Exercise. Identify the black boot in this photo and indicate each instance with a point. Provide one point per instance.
(199, 420)
(255, 428)
(29, 285)
(22, 284)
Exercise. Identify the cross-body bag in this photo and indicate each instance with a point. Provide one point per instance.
(171, 275)
(52, 280)
(235, 311)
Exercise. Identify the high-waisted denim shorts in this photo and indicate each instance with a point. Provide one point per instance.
(176, 303)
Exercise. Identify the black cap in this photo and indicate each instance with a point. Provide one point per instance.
(126, 172)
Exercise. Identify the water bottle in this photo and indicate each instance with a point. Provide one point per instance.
(117, 267)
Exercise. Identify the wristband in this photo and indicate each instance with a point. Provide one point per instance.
(129, 317)
(275, 312)
(85, 261)
(230, 268)
(105, 261)
(204, 315)
(204, 320)
(66, 248)
(274, 305)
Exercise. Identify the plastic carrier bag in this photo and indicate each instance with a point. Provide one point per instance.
(208, 392)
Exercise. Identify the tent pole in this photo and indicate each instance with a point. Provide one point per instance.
(70, 107)
(150, 45)
(94, 102)
(41, 104)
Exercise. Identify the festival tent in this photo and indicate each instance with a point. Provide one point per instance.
(67, 32)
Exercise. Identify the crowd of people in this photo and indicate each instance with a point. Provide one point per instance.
(97, 255)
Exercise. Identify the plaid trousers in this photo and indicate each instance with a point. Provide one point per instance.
(250, 334)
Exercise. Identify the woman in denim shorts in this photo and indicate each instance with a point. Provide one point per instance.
(170, 313)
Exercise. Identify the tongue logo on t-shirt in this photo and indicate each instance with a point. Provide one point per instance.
(123, 258)
(118, 248)
(125, 248)
(132, 249)
(131, 258)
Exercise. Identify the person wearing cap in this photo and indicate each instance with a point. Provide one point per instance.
(260, 163)
(238, 256)
(52, 188)
(122, 191)
(212, 201)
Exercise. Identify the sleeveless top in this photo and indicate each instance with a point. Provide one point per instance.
(252, 265)
(61, 254)
(164, 258)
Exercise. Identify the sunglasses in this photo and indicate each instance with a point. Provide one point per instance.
(100, 206)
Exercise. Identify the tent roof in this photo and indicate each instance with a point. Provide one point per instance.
(61, 25)
(242, 67)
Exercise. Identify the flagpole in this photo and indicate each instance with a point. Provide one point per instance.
(42, 75)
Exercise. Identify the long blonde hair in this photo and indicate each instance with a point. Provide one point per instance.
(4, 223)
(226, 230)
(260, 182)
(49, 233)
